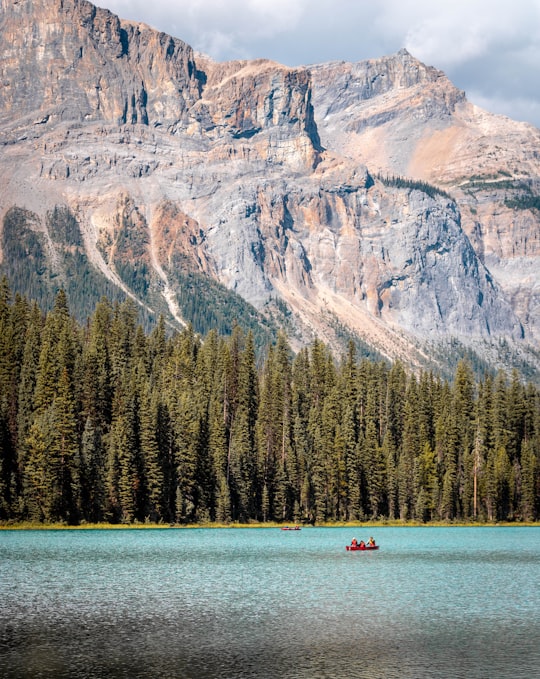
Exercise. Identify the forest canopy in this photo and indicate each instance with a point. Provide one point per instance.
(103, 422)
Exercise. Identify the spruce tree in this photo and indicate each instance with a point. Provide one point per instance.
(123, 454)
(26, 403)
(63, 453)
(530, 483)
(40, 491)
(300, 434)
(8, 403)
(445, 448)
(150, 454)
(348, 386)
(93, 493)
(503, 484)
(96, 387)
(463, 427)
(319, 430)
(426, 484)
(410, 450)
(243, 454)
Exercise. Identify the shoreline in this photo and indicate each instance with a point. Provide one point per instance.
(27, 525)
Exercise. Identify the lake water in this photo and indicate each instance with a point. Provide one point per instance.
(230, 603)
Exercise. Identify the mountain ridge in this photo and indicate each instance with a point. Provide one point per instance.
(279, 184)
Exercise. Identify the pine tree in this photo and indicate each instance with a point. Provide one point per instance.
(26, 404)
(123, 454)
(481, 445)
(288, 475)
(463, 428)
(218, 454)
(40, 492)
(503, 483)
(182, 405)
(157, 348)
(300, 399)
(489, 494)
(351, 461)
(59, 349)
(426, 484)
(410, 449)
(445, 448)
(391, 460)
(332, 456)
(96, 385)
(223, 504)
(5, 467)
(56, 416)
(150, 454)
(395, 402)
(121, 340)
(530, 468)
(243, 455)
(8, 404)
(93, 493)
(186, 446)
(499, 411)
(319, 429)
(63, 454)
(373, 463)
(268, 434)
(348, 386)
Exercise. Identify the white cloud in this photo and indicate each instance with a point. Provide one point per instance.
(226, 28)
(453, 33)
(222, 28)
(525, 109)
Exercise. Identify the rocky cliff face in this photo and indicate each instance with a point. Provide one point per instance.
(269, 181)
(72, 61)
(403, 118)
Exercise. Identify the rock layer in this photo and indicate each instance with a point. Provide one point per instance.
(273, 181)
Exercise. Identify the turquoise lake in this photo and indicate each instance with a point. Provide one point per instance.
(261, 602)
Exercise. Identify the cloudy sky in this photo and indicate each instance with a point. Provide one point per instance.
(489, 48)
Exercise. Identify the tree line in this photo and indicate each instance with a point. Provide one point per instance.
(105, 422)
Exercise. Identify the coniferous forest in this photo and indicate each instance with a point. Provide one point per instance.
(103, 422)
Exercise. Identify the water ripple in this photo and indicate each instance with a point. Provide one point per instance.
(203, 604)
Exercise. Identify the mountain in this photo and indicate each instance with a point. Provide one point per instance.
(365, 201)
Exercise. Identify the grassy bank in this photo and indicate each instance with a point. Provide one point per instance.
(27, 525)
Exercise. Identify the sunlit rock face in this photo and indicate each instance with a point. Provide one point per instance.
(403, 118)
(278, 183)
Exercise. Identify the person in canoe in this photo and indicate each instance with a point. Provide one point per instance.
(371, 542)
(362, 544)
(354, 542)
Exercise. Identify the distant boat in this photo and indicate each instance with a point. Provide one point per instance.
(290, 528)
(357, 548)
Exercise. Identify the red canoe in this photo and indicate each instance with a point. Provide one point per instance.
(290, 528)
(350, 548)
